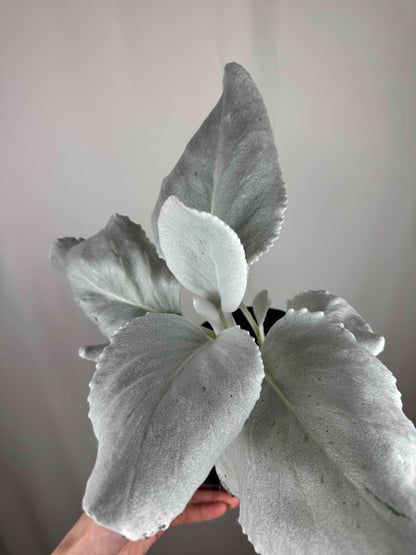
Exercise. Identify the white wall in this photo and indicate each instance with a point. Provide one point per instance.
(97, 101)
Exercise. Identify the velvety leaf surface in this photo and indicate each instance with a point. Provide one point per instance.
(165, 401)
(116, 275)
(326, 462)
(261, 304)
(230, 167)
(209, 312)
(204, 253)
(339, 311)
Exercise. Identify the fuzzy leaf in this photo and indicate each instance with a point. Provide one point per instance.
(165, 401)
(326, 462)
(209, 312)
(230, 167)
(339, 311)
(261, 304)
(204, 253)
(92, 352)
(116, 275)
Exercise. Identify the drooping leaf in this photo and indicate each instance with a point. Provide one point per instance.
(230, 167)
(116, 275)
(92, 352)
(326, 462)
(339, 311)
(204, 253)
(261, 304)
(165, 401)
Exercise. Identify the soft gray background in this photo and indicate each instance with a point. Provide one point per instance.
(98, 99)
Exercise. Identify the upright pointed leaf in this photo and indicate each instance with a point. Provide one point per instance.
(339, 312)
(116, 275)
(204, 253)
(326, 462)
(164, 402)
(261, 304)
(230, 167)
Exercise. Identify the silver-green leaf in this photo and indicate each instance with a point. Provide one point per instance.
(326, 462)
(230, 167)
(261, 304)
(339, 311)
(204, 253)
(165, 401)
(209, 311)
(92, 352)
(116, 275)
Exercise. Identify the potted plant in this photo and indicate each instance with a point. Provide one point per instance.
(304, 424)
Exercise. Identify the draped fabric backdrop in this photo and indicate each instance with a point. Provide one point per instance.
(98, 99)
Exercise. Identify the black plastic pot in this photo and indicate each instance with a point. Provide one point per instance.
(272, 316)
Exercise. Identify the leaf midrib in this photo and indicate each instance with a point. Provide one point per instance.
(110, 294)
(270, 380)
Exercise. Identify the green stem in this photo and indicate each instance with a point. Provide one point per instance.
(209, 332)
(223, 320)
(253, 324)
(229, 319)
(261, 333)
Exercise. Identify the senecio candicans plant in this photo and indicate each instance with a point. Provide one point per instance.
(304, 425)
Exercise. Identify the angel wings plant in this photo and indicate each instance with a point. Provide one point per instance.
(304, 425)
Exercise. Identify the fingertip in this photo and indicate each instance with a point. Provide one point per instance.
(233, 502)
(215, 510)
(201, 512)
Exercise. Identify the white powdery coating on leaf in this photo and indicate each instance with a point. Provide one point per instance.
(274, 233)
(338, 310)
(326, 462)
(116, 275)
(205, 254)
(261, 304)
(165, 401)
(230, 167)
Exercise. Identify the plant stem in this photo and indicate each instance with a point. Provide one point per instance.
(261, 334)
(209, 332)
(223, 320)
(253, 324)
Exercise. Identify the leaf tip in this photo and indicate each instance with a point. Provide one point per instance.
(59, 250)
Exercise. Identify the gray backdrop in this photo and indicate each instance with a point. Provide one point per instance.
(98, 99)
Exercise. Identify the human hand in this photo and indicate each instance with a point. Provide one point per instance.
(89, 538)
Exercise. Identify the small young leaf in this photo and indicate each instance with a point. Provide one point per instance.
(165, 401)
(230, 167)
(116, 275)
(261, 304)
(209, 311)
(92, 352)
(326, 462)
(204, 254)
(339, 312)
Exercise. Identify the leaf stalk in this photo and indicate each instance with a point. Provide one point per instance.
(259, 333)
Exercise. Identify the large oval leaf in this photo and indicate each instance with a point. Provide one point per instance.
(230, 167)
(326, 462)
(165, 401)
(204, 253)
(339, 311)
(116, 275)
